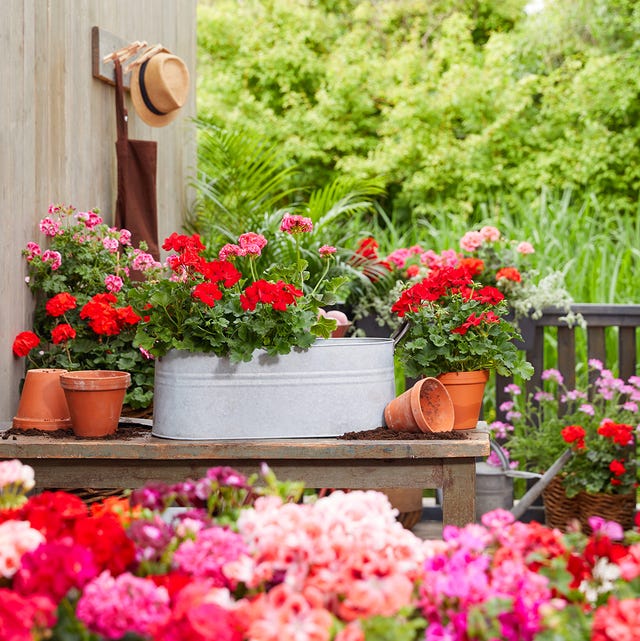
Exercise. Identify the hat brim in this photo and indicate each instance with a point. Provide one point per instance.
(146, 115)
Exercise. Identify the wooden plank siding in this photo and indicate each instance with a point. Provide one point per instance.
(57, 132)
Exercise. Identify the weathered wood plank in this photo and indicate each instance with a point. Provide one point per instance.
(148, 447)
(460, 489)
(601, 320)
(128, 473)
(567, 355)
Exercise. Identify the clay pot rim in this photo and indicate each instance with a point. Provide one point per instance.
(463, 378)
(99, 379)
(46, 424)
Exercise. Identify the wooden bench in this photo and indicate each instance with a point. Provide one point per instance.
(607, 325)
(323, 462)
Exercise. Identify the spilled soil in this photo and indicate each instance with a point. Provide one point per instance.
(123, 432)
(385, 434)
(129, 431)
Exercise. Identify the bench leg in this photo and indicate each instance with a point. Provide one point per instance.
(459, 492)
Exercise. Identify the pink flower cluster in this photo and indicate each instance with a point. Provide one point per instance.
(345, 554)
(296, 224)
(242, 564)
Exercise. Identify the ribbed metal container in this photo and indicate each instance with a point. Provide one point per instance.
(338, 385)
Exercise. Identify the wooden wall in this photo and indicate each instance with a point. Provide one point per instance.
(57, 132)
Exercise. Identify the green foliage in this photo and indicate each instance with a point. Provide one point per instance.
(538, 420)
(239, 178)
(232, 310)
(81, 255)
(451, 329)
(403, 626)
(454, 102)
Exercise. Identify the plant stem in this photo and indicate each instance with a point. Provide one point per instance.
(324, 273)
(298, 262)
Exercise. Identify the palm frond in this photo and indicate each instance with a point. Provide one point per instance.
(342, 197)
(239, 178)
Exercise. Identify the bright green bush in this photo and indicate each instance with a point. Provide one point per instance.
(453, 102)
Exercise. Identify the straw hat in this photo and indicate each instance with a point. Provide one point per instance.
(159, 87)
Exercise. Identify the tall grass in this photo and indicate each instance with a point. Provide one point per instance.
(598, 253)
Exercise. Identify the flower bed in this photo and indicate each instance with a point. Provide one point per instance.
(249, 561)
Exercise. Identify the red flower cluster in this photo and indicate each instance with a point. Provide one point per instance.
(473, 266)
(219, 273)
(207, 292)
(279, 295)
(24, 342)
(475, 321)
(188, 248)
(77, 547)
(59, 304)
(574, 434)
(189, 261)
(509, 273)
(619, 433)
(448, 281)
(62, 333)
(105, 318)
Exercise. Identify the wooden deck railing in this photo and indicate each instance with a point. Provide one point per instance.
(606, 325)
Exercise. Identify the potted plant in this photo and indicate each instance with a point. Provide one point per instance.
(597, 422)
(455, 328)
(238, 340)
(82, 280)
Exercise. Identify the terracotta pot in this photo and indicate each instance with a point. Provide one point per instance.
(95, 400)
(466, 390)
(341, 330)
(426, 407)
(42, 403)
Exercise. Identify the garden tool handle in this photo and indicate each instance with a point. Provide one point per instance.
(398, 335)
(534, 492)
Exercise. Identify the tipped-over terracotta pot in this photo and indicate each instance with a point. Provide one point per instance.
(425, 407)
(42, 403)
(95, 400)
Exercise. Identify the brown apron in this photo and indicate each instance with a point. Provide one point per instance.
(136, 206)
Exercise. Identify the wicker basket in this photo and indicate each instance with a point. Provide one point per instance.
(612, 507)
(561, 511)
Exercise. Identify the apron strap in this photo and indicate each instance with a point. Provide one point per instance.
(121, 111)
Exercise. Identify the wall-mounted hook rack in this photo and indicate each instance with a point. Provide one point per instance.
(105, 47)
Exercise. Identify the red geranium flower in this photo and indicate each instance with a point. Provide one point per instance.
(221, 271)
(509, 273)
(24, 342)
(60, 303)
(574, 434)
(617, 467)
(619, 433)
(62, 333)
(473, 266)
(208, 293)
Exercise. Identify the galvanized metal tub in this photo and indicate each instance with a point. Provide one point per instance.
(336, 386)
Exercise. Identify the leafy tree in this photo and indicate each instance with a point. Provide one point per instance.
(453, 102)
